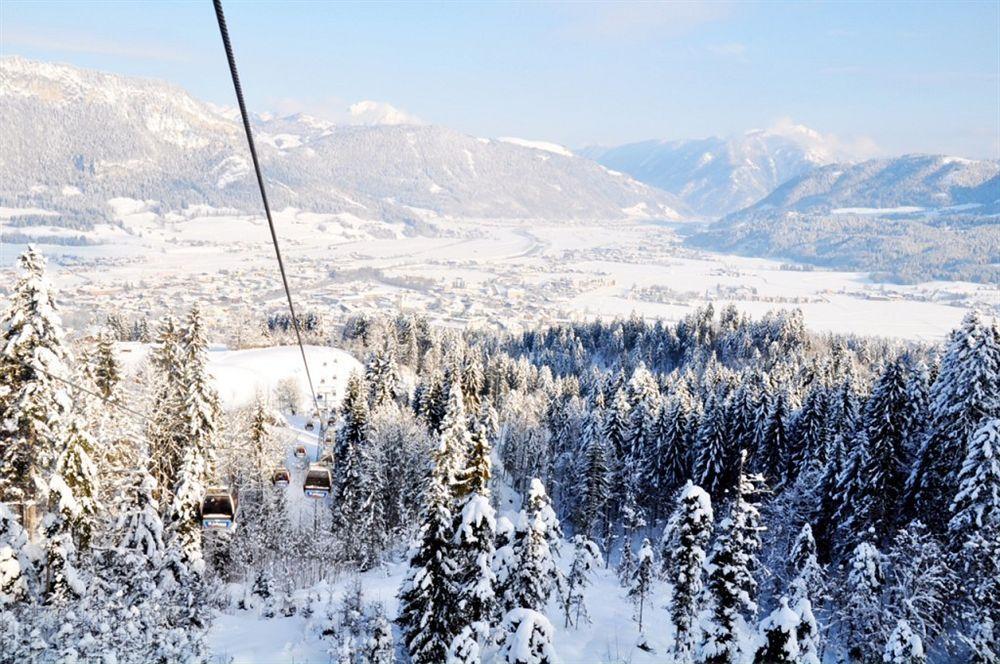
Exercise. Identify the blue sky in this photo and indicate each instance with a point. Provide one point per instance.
(904, 77)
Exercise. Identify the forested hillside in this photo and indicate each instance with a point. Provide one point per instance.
(762, 493)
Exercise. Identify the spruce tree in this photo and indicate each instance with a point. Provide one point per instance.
(586, 558)
(772, 447)
(904, 646)
(965, 392)
(474, 541)
(526, 637)
(730, 587)
(33, 400)
(14, 561)
(779, 632)
(106, 368)
(641, 583)
(74, 484)
(977, 503)
(690, 529)
(428, 597)
(862, 603)
(715, 465)
(454, 442)
(594, 477)
(166, 430)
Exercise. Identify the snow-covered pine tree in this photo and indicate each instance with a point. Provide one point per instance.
(779, 631)
(73, 484)
(526, 638)
(33, 401)
(904, 646)
(920, 581)
(586, 558)
(980, 630)
(14, 563)
(595, 478)
(428, 597)
(772, 447)
(184, 512)
(105, 366)
(803, 565)
(861, 604)
(977, 503)
(730, 586)
(465, 648)
(966, 391)
(380, 647)
(64, 582)
(535, 572)
(873, 494)
(454, 441)
(808, 431)
(201, 403)
(166, 429)
(714, 466)
(690, 529)
(474, 540)
(382, 377)
(807, 633)
(615, 434)
(358, 512)
(829, 498)
(641, 583)
(539, 505)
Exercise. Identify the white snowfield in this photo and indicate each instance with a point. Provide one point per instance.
(240, 375)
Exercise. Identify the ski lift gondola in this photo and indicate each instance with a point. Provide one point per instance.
(310, 425)
(318, 481)
(300, 452)
(218, 509)
(281, 477)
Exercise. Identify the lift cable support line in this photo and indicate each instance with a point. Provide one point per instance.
(224, 32)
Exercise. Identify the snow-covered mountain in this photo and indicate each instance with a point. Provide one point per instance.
(73, 138)
(910, 218)
(903, 184)
(715, 176)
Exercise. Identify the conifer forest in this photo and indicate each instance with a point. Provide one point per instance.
(719, 489)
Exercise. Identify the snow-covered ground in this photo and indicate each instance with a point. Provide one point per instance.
(240, 376)
(242, 637)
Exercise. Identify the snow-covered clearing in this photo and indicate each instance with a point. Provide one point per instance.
(242, 637)
(240, 376)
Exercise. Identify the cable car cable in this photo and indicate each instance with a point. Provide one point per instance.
(224, 32)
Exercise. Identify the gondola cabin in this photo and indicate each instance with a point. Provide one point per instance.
(281, 477)
(310, 425)
(317, 484)
(218, 509)
(300, 452)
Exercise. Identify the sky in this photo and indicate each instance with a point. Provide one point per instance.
(886, 77)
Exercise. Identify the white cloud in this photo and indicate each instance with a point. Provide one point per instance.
(829, 146)
(380, 113)
(338, 111)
